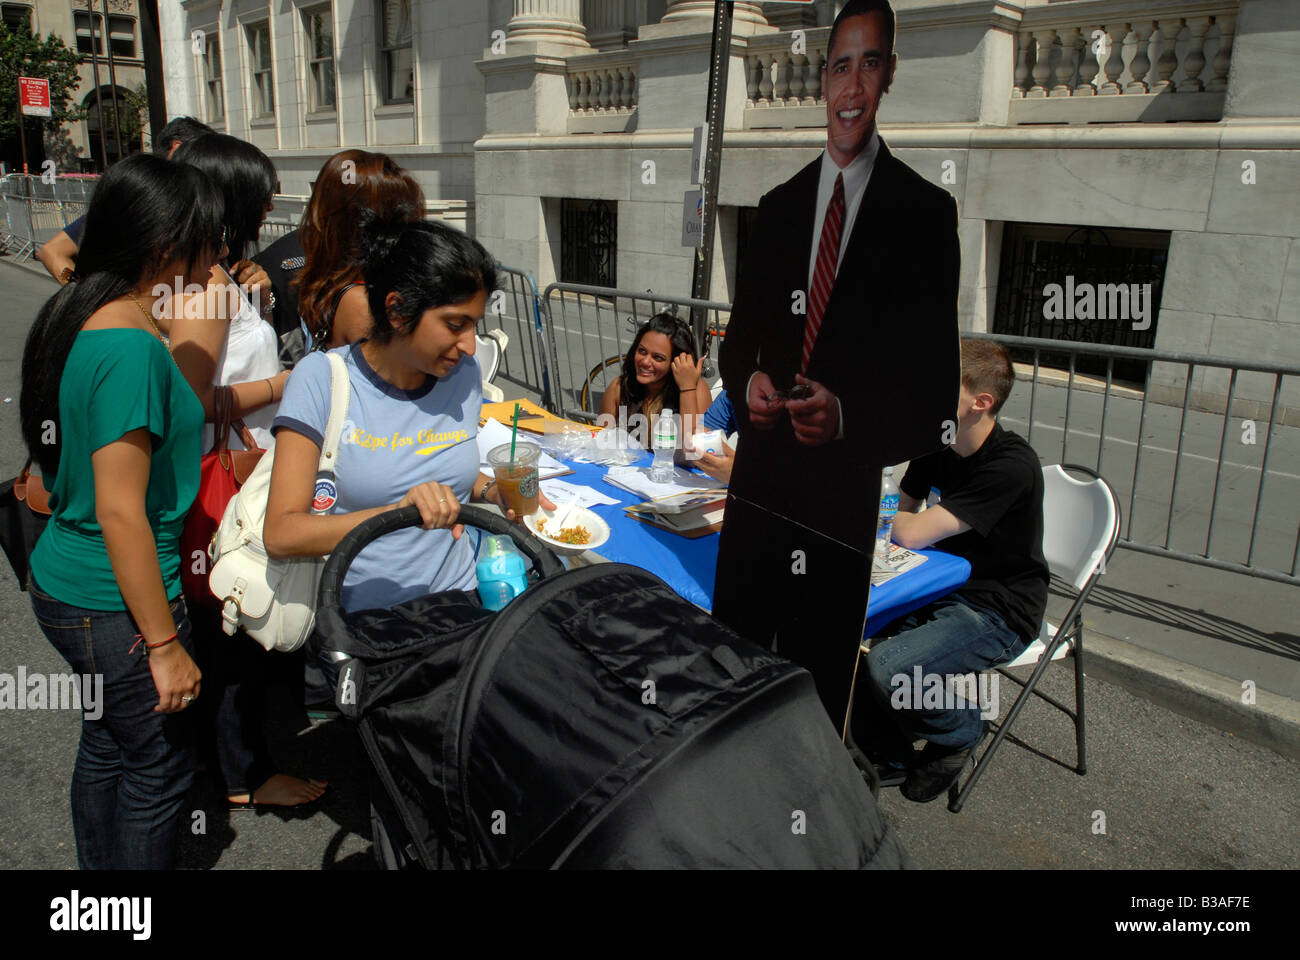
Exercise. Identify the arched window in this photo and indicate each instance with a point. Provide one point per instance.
(128, 122)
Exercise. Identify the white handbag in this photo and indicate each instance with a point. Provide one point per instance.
(274, 599)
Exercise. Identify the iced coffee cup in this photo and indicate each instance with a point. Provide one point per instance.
(517, 477)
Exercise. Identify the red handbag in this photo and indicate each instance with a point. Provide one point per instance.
(222, 472)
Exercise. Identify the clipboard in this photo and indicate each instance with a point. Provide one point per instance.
(532, 417)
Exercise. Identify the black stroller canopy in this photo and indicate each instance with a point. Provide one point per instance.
(597, 721)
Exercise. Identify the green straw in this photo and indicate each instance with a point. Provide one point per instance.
(514, 433)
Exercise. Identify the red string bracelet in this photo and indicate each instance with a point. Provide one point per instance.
(152, 646)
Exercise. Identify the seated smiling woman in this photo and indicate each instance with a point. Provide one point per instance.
(660, 370)
(410, 432)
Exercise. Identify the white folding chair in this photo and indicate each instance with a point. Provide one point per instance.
(1081, 520)
(489, 350)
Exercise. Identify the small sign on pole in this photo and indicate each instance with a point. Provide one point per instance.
(34, 96)
(698, 148)
(692, 218)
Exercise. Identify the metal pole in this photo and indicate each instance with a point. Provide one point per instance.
(22, 131)
(151, 49)
(719, 61)
(112, 79)
(94, 65)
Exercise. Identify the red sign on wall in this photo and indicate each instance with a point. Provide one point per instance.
(34, 96)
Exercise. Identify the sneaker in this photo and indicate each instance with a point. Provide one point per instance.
(890, 773)
(937, 769)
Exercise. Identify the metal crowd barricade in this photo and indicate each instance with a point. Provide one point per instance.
(1206, 450)
(35, 210)
(590, 329)
(515, 308)
(18, 240)
(273, 230)
(1215, 428)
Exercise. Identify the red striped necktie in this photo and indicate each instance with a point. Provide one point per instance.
(828, 256)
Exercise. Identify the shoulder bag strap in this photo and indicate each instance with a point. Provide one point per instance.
(245, 435)
(222, 407)
(20, 482)
(340, 394)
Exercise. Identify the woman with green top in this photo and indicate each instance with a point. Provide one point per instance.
(115, 429)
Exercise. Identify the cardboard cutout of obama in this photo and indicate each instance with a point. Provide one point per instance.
(841, 357)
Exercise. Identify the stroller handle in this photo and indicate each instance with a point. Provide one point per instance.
(336, 567)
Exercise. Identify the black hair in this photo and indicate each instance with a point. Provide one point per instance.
(246, 178)
(145, 213)
(858, 8)
(183, 129)
(682, 340)
(427, 263)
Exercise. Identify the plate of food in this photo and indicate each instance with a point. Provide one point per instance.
(582, 529)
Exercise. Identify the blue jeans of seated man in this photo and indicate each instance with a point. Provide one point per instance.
(947, 637)
(134, 766)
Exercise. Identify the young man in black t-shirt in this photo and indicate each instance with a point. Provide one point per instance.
(985, 496)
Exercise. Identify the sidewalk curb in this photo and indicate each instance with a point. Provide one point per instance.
(1272, 721)
(31, 266)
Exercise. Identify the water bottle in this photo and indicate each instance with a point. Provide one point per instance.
(501, 573)
(888, 509)
(665, 447)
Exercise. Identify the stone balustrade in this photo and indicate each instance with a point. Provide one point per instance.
(1087, 61)
(783, 79)
(602, 90)
(1126, 62)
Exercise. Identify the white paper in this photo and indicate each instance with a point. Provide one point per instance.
(637, 480)
(494, 433)
(561, 492)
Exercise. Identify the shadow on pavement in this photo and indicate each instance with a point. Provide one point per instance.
(1177, 616)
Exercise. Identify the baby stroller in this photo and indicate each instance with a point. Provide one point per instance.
(597, 721)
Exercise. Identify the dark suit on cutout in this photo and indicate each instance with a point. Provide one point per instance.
(888, 348)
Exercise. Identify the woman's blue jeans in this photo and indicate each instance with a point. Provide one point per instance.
(134, 766)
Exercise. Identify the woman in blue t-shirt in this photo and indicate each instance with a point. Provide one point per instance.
(409, 436)
(115, 430)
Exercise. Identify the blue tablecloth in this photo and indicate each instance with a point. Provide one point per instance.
(688, 566)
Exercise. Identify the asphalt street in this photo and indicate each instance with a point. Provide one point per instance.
(1170, 791)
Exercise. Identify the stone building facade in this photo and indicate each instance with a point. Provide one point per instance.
(1114, 142)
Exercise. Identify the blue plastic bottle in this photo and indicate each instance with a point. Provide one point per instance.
(501, 573)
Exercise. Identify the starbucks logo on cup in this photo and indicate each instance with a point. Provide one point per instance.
(528, 486)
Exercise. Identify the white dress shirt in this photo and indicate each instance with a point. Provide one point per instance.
(856, 176)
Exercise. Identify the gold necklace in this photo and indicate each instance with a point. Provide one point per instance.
(152, 322)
